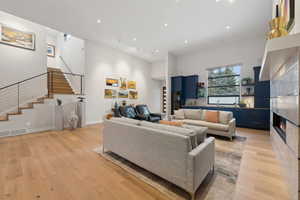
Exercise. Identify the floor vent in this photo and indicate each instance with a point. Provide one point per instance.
(4, 133)
(18, 132)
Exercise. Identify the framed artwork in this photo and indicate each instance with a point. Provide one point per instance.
(17, 38)
(110, 94)
(51, 50)
(123, 83)
(131, 85)
(133, 95)
(123, 94)
(287, 10)
(112, 82)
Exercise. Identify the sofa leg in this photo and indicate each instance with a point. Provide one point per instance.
(193, 195)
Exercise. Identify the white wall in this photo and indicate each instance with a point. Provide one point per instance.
(105, 62)
(53, 61)
(18, 64)
(158, 70)
(247, 52)
(72, 51)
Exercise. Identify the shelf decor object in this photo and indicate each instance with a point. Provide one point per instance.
(278, 25)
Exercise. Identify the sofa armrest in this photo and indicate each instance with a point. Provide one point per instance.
(232, 127)
(200, 161)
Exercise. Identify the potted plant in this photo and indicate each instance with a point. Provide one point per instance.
(246, 81)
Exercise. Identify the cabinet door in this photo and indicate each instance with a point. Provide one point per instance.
(190, 87)
(176, 84)
(262, 94)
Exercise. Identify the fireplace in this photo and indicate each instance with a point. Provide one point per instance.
(279, 124)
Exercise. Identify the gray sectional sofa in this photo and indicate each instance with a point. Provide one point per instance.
(196, 117)
(166, 151)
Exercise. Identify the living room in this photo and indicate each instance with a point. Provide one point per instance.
(179, 99)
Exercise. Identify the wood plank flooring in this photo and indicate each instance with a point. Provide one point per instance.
(62, 166)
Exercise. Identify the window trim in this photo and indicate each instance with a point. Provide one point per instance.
(224, 76)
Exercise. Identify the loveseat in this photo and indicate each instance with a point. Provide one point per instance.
(166, 151)
(224, 125)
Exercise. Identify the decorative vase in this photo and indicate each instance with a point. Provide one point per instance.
(73, 120)
(278, 28)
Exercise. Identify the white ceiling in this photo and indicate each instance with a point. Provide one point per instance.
(201, 22)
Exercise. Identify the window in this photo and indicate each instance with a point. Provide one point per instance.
(224, 85)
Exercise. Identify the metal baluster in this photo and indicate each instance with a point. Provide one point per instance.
(18, 97)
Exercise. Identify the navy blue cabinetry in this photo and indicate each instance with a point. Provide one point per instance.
(182, 88)
(190, 87)
(177, 83)
(245, 117)
(262, 91)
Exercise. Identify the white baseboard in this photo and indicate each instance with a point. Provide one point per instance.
(93, 122)
(24, 131)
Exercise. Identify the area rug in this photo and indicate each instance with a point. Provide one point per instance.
(220, 185)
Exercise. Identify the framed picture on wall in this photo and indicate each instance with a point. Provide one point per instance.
(51, 50)
(110, 94)
(123, 83)
(133, 95)
(17, 38)
(112, 82)
(132, 85)
(123, 94)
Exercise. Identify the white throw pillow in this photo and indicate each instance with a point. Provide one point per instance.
(179, 114)
(225, 117)
(194, 114)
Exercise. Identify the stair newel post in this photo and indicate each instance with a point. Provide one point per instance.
(18, 97)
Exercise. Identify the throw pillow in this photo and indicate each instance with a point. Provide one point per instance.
(212, 116)
(194, 114)
(179, 114)
(225, 117)
(171, 123)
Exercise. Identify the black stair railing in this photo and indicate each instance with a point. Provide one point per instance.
(15, 90)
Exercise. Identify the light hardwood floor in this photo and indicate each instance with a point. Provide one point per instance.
(62, 166)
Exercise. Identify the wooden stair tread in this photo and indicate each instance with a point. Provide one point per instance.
(3, 118)
(14, 113)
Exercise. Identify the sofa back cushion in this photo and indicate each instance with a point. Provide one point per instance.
(126, 120)
(179, 114)
(173, 129)
(212, 116)
(225, 117)
(194, 114)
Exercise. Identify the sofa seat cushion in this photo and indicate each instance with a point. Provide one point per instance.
(209, 125)
(173, 129)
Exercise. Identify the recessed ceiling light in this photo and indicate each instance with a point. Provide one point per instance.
(185, 42)
(99, 21)
(231, 1)
(166, 25)
(134, 39)
(228, 27)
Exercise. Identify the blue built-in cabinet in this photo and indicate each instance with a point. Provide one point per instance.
(190, 84)
(262, 91)
(185, 87)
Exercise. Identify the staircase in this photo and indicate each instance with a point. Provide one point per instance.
(26, 107)
(57, 82)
